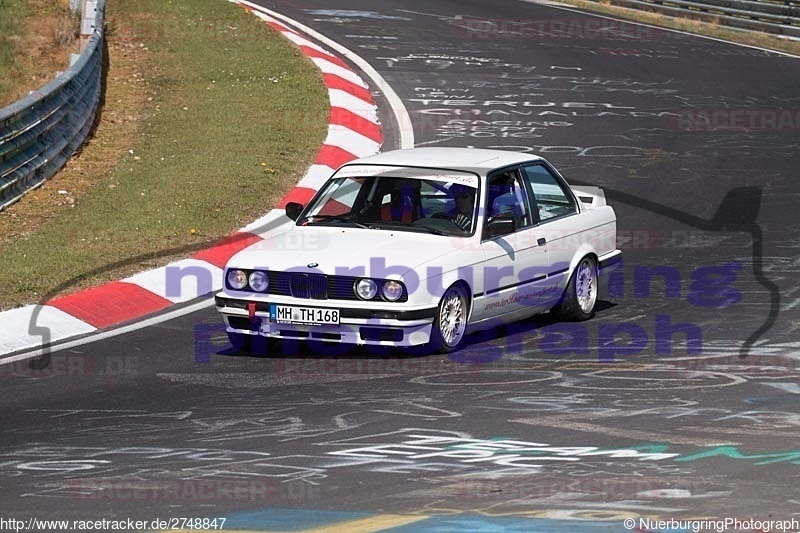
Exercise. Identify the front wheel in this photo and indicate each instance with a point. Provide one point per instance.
(450, 324)
(579, 298)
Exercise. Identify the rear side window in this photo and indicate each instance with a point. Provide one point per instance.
(551, 198)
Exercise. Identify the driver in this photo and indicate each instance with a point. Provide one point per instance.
(465, 204)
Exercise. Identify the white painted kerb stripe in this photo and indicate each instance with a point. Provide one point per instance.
(405, 127)
(180, 281)
(354, 104)
(351, 141)
(328, 67)
(15, 334)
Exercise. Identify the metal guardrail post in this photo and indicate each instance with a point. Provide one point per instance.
(89, 15)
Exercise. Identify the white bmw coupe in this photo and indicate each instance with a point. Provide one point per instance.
(419, 247)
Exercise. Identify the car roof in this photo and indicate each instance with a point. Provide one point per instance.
(478, 160)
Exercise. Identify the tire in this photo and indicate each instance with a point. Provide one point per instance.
(580, 297)
(450, 324)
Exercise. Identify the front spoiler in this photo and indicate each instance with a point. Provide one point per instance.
(357, 325)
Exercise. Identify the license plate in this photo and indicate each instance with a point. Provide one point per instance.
(309, 316)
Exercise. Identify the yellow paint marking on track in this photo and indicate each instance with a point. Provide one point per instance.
(361, 525)
(369, 525)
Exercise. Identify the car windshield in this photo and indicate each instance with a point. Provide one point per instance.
(428, 202)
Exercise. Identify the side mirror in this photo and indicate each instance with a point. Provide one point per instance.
(499, 226)
(293, 210)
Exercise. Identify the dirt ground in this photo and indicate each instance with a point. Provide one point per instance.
(125, 105)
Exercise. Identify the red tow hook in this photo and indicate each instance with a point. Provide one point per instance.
(251, 310)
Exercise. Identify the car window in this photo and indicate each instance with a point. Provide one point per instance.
(336, 198)
(550, 198)
(441, 204)
(506, 199)
(435, 200)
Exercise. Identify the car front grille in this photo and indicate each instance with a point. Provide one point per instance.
(309, 286)
(314, 286)
(299, 285)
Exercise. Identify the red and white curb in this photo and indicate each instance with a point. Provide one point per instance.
(353, 131)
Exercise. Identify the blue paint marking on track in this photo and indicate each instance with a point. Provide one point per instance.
(485, 524)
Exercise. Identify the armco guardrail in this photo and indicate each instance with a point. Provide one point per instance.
(39, 133)
(779, 18)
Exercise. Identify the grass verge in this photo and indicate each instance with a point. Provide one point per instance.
(710, 29)
(36, 38)
(12, 14)
(209, 117)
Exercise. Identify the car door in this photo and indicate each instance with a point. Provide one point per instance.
(555, 208)
(516, 259)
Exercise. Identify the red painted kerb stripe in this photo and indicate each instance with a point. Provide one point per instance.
(110, 304)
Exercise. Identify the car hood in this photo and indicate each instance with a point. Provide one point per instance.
(347, 251)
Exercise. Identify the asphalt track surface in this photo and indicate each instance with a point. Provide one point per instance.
(696, 415)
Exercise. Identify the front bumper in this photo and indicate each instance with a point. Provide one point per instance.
(357, 325)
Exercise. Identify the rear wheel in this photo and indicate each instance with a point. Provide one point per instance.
(580, 297)
(450, 323)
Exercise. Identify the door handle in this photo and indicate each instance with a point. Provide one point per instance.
(541, 241)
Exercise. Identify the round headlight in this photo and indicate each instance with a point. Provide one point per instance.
(366, 289)
(392, 290)
(237, 279)
(259, 281)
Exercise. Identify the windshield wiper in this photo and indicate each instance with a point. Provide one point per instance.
(309, 220)
(432, 230)
(407, 227)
